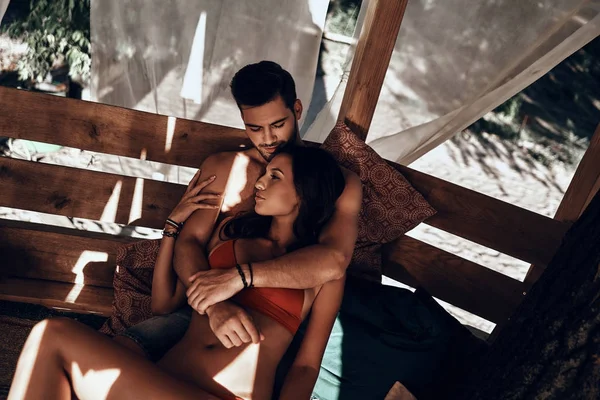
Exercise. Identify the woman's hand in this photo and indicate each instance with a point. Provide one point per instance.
(232, 325)
(193, 200)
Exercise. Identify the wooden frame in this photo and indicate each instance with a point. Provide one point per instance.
(371, 60)
(129, 133)
(584, 185)
(84, 194)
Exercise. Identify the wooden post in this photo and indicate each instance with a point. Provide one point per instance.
(583, 187)
(550, 347)
(371, 61)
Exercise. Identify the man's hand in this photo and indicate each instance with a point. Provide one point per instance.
(212, 287)
(232, 325)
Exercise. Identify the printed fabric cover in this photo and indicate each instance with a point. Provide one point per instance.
(391, 206)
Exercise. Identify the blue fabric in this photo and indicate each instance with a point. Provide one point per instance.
(158, 334)
(382, 335)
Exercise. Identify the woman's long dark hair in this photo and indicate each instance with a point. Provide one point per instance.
(319, 182)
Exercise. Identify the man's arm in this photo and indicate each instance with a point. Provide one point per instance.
(315, 265)
(305, 268)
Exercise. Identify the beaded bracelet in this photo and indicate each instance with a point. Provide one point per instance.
(251, 275)
(170, 234)
(174, 224)
(239, 269)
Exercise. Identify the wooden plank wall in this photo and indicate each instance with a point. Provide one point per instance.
(102, 128)
(112, 130)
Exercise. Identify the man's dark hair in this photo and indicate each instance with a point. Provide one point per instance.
(260, 83)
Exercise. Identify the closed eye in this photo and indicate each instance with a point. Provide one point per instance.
(279, 125)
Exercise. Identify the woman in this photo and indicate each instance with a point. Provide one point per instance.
(294, 199)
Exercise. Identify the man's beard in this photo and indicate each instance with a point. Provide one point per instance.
(286, 147)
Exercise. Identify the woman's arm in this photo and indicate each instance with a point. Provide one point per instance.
(301, 378)
(168, 292)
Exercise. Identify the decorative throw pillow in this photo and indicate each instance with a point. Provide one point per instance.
(391, 206)
(132, 282)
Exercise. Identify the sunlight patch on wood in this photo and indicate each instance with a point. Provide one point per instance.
(86, 257)
(136, 202)
(138, 194)
(170, 133)
(112, 205)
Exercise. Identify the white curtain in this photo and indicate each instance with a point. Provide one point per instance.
(456, 60)
(3, 7)
(177, 57)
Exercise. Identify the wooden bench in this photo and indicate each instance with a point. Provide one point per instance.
(72, 269)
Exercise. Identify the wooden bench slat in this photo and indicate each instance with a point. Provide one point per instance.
(453, 279)
(493, 223)
(30, 253)
(75, 192)
(113, 130)
(90, 299)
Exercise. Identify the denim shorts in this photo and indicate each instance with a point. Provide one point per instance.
(158, 334)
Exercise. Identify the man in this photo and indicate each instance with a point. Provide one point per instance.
(266, 96)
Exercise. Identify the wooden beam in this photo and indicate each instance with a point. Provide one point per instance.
(490, 222)
(584, 185)
(581, 188)
(74, 297)
(113, 130)
(58, 254)
(550, 346)
(370, 64)
(75, 192)
(465, 284)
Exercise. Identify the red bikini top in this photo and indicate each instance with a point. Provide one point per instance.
(282, 305)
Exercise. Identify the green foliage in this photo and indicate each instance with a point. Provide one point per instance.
(57, 32)
(342, 15)
(511, 108)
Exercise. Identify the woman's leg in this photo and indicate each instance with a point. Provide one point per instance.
(130, 344)
(34, 379)
(60, 351)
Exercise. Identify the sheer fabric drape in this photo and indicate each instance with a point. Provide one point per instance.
(177, 57)
(456, 60)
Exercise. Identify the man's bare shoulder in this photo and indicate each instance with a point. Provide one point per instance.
(352, 180)
(351, 198)
(223, 161)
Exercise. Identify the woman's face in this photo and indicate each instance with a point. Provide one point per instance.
(275, 191)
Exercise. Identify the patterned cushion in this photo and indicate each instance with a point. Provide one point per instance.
(133, 286)
(391, 206)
